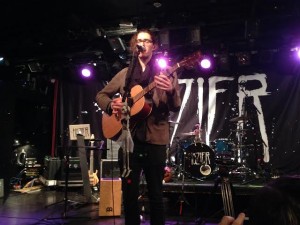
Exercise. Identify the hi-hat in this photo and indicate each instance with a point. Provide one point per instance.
(239, 118)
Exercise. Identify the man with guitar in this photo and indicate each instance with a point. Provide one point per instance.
(150, 132)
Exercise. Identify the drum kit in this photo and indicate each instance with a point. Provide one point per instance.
(199, 161)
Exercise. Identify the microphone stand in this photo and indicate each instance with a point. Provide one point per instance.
(182, 199)
(243, 170)
(65, 136)
(126, 110)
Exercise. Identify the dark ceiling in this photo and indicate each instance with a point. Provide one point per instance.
(53, 28)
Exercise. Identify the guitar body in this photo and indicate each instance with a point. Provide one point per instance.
(94, 180)
(112, 124)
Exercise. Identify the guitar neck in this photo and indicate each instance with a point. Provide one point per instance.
(92, 158)
(91, 161)
(153, 84)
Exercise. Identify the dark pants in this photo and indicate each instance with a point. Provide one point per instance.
(151, 159)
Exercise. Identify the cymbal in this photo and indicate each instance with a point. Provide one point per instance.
(188, 134)
(170, 121)
(192, 133)
(239, 118)
(239, 130)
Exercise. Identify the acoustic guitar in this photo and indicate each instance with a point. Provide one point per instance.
(139, 109)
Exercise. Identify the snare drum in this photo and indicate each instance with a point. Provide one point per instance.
(199, 160)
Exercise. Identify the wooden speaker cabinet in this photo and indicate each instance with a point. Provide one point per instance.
(110, 197)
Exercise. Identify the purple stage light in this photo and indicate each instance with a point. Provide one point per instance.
(298, 53)
(205, 63)
(85, 72)
(162, 63)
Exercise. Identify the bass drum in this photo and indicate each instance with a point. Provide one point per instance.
(199, 160)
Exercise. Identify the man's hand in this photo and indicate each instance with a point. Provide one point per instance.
(116, 105)
(228, 220)
(163, 82)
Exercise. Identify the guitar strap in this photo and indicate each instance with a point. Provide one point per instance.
(125, 139)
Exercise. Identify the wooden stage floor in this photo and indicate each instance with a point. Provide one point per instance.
(201, 202)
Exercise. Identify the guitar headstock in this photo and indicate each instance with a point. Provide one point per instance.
(191, 61)
(92, 140)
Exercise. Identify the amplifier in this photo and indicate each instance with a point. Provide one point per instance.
(109, 168)
(52, 168)
(55, 170)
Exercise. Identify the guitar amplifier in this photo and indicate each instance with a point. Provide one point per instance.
(109, 168)
(55, 171)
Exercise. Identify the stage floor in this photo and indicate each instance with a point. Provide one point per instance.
(199, 199)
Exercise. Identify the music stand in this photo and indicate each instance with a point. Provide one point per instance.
(80, 142)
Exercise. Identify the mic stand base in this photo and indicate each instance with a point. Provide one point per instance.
(244, 174)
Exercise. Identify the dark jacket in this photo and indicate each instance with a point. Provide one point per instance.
(156, 124)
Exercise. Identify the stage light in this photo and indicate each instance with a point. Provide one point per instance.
(243, 58)
(157, 3)
(162, 63)
(86, 71)
(223, 62)
(205, 63)
(298, 52)
(3, 61)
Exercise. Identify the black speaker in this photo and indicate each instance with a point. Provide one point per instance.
(109, 168)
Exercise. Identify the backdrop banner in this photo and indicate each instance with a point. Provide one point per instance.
(258, 110)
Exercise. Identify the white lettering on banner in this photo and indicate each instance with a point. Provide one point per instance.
(262, 91)
(188, 88)
(212, 96)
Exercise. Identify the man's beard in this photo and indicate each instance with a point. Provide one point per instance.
(145, 57)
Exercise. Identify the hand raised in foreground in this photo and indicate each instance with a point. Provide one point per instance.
(228, 220)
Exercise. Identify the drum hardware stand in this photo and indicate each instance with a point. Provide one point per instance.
(182, 199)
(243, 170)
(226, 191)
(142, 198)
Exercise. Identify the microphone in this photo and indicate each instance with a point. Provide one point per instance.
(84, 112)
(242, 83)
(140, 48)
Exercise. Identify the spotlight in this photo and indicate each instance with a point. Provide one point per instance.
(162, 63)
(224, 63)
(86, 71)
(297, 51)
(243, 58)
(157, 3)
(205, 63)
(3, 61)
